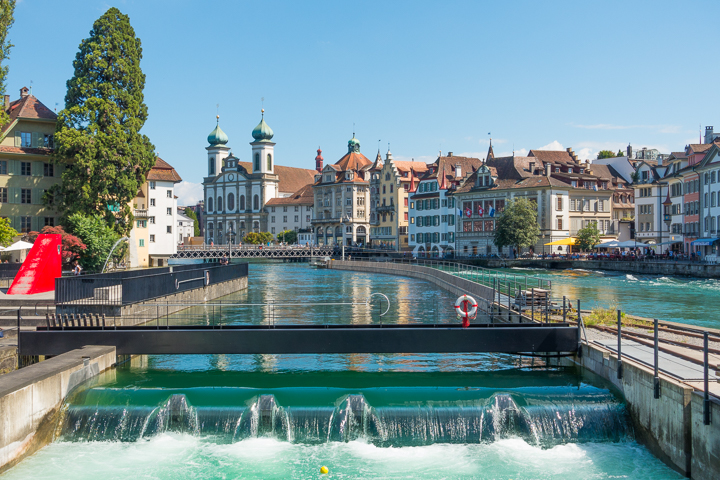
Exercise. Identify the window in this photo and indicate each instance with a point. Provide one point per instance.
(152, 185)
(169, 211)
(256, 165)
(142, 223)
(269, 162)
(47, 140)
(141, 242)
(284, 218)
(297, 218)
(25, 168)
(559, 223)
(3, 195)
(25, 139)
(231, 201)
(272, 219)
(152, 202)
(219, 204)
(25, 224)
(152, 220)
(3, 167)
(152, 237)
(209, 204)
(48, 169)
(256, 202)
(559, 203)
(272, 230)
(169, 193)
(169, 229)
(49, 221)
(25, 195)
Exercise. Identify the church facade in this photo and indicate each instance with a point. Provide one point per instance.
(236, 192)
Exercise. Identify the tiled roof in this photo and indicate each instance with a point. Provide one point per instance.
(446, 165)
(700, 147)
(602, 171)
(511, 167)
(511, 183)
(304, 196)
(292, 179)
(353, 161)
(405, 166)
(28, 107)
(163, 172)
(25, 150)
(552, 156)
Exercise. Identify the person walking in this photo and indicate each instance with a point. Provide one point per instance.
(77, 269)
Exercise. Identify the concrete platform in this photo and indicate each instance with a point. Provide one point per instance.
(47, 298)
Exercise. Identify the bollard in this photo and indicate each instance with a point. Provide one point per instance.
(706, 399)
(619, 347)
(656, 379)
(579, 325)
(564, 310)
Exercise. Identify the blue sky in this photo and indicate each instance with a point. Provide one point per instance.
(423, 76)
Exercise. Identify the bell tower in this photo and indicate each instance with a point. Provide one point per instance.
(217, 150)
(263, 149)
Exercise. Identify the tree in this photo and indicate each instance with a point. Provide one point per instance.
(98, 238)
(517, 225)
(72, 246)
(605, 154)
(256, 238)
(6, 232)
(98, 133)
(620, 153)
(190, 213)
(7, 10)
(587, 237)
(288, 236)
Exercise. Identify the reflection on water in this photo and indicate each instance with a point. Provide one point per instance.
(680, 299)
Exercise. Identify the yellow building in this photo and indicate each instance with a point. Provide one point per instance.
(390, 202)
(26, 171)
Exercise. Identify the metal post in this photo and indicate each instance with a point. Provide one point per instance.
(706, 399)
(19, 364)
(656, 379)
(532, 304)
(579, 324)
(509, 309)
(564, 310)
(619, 346)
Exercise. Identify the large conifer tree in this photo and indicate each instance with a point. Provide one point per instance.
(98, 133)
(7, 10)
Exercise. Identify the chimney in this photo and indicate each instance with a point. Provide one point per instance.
(572, 154)
(24, 92)
(6, 102)
(548, 169)
(458, 168)
(629, 151)
(449, 154)
(709, 134)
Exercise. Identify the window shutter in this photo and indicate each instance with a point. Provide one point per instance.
(37, 168)
(35, 136)
(13, 167)
(18, 139)
(16, 223)
(35, 224)
(36, 196)
(14, 195)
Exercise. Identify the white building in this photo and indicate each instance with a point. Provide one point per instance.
(236, 193)
(709, 170)
(650, 193)
(291, 213)
(162, 212)
(185, 228)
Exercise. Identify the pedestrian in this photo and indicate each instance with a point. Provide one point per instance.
(77, 269)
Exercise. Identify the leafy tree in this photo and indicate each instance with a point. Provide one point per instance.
(289, 236)
(517, 225)
(98, 238)
(605, 154)
(7, 10)
(635, 176)
(620, 153)
(190, 213)
(587, 237)
(6, 232)
(98, 133)
(255, 238)
(73, 247)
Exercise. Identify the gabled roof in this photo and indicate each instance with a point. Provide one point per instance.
(446, 166)
(292, 179)
(405, 166)
(553, 156)
(304, 196)
(699, 147)
(163, 172)
(511, 167)
(353, 161)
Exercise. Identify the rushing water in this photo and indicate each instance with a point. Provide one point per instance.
(680, 299)
(364, 416)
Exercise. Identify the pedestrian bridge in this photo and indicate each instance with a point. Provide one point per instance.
(305, 339)
(252, 251)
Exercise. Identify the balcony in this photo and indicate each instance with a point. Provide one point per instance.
(140, 213)
(386, 208)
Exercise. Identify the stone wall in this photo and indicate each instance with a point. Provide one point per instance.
(31, 399)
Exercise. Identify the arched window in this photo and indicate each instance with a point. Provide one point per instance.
(242, 202)
(219, 204)
(256, 226)
(256, 166)
(269, 162)
(231, 201)
(210, 205)
(211, 166)
(256, 202)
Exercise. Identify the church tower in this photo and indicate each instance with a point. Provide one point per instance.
(263, 154)
(217, 150)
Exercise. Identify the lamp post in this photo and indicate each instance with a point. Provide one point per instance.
(231, 236)
(666, 215)
(543, 242)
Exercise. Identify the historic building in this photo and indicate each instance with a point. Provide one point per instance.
(291, 213)
(709, 170)
(432, 208)
(236, 193)
(342, 199)
(26, 171)
(389, 199)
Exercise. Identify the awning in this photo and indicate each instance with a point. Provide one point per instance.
(20, 245)
(564, 241)
(611, 244)
(704, 241)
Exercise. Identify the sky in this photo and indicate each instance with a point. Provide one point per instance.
(423, 77)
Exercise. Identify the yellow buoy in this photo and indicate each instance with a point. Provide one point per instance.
(324, 470)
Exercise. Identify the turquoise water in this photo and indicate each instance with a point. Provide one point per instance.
(680, 299)
(364, 416)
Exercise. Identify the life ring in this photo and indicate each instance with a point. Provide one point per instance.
(459, 304)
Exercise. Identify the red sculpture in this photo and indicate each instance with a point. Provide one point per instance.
(41, 267)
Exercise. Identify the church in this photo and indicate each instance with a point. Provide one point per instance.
(236, 192)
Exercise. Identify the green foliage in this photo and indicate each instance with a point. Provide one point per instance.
(6, 232)
(190, 213)
(97, 236)
(517, 225)
(620, 153)
(288, 236)
(587, 237)
(603, 316)
(97, 134)
(258, 238)
(635, 176)
(73, 247)
(606, 154)
(7, 10)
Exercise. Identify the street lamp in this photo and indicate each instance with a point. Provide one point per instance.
(231, 235)
(666, 215)
(344, 220)
(543, 242)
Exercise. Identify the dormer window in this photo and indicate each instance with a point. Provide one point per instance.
(557, 169)
(348, 175)
(570, 170)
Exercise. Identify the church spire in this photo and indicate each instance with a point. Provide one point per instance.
(490, 153)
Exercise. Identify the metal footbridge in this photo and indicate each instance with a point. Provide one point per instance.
(252, 251)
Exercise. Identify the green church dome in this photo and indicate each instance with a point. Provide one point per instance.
(217, 136)
(263, 132)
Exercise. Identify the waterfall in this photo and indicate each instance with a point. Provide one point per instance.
(542, 421)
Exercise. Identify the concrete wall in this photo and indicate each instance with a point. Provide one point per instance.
(31, 398)
(670, 426)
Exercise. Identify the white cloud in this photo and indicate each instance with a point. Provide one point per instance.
(554, 145)
(520, 152)
(609, 126)
(587, 153)
(188, 193)
(423, 158)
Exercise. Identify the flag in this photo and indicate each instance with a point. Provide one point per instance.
(492, 212)
(459, 212)
(595, 187)
(480, 210)
(468, 212)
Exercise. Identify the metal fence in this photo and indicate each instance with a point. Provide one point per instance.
(124, 288)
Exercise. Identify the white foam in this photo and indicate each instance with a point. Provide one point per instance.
(630, 277)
